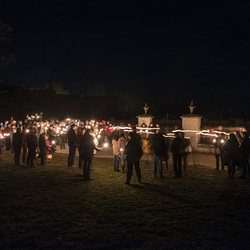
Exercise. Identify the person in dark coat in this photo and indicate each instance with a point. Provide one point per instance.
(17, 145)
(160, 150)
(43, 147)
(133, 152)
(87, 146)
(78, 142)
(177, 148)
(244, 150)
(32, 145)
(72, 147)
(230, 149)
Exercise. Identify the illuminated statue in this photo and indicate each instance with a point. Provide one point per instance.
(192, 107)
(146, 107)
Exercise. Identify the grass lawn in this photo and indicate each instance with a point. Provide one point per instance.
(51, 207)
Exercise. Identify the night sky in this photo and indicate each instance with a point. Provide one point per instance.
(195, 49)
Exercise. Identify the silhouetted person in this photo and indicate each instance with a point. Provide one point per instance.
(32, 145)
(187, 149)
(176, 148)
(43, 148)
(231, 149)
(72, 147)
(244, 148)
(87, 147)
(218, 150)
(17, 145)
(160, 150)
(78, 143)
(133, 152)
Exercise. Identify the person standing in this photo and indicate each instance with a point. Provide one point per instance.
(32, 145)
(109, 133)
(62, 139)
(176, 148)
(17, 145)
(147, 150)
(230, 157)
(25, 148)
(133, 152)
(12, 132)
(187, 149)
(43, 147)
(87, 147)
(244, 150)
(116, 152)
(160, 150)
(72, 147)
(7, 136)
(121, 146)
(78, 142)
(218, 145)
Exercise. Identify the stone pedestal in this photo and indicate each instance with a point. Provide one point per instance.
(147, 119)
(192, 122)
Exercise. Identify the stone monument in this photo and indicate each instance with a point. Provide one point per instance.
(145, 118)
(192, 122)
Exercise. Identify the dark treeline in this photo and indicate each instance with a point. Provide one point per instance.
(100, 102)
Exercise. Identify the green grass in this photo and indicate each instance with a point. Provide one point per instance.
(51, 207)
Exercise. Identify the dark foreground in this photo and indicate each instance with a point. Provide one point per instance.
(51, 207)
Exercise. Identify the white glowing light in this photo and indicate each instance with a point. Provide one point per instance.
(214, 140)
(53, 142)
(222, 141)
(6, 134)
(207, 134)
(121, 149)
(221, 132)
(105, 145)
(27, 131)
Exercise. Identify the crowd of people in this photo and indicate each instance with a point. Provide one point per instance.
(233, 151)
(35, 138)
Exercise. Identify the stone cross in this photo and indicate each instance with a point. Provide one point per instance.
(192, 107)
(146, 107)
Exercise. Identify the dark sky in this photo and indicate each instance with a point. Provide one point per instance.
(199, 49)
